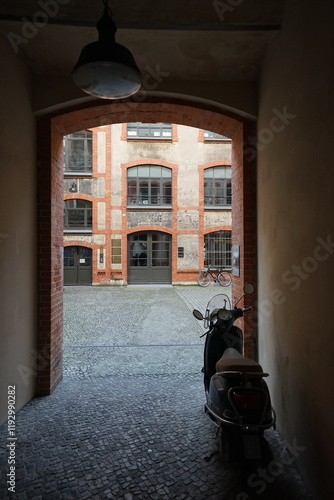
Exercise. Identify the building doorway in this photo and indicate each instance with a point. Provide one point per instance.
(51, 130)
(149, 257)
(77, 265)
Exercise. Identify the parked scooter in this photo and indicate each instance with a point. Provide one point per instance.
(237, 396)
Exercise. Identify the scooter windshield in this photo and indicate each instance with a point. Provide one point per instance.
(220, 301)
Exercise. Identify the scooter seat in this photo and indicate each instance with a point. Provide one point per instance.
(233, 361)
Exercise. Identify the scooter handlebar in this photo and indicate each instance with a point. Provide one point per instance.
(247, 309)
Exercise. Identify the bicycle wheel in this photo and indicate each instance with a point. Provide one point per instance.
(224, 279)
(203, 278)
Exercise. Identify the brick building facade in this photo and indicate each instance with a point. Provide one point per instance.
(145, 203)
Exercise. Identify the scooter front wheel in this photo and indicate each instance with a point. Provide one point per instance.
(203, 279)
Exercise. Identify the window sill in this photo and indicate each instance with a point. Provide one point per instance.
(217, 207)
(78, 231)
(149, 139)
(78, 174)
(149, 207)
(220, 141)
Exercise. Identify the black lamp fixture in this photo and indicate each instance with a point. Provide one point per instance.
(105, 68)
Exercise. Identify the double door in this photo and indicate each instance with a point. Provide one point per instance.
(77, 266)
(149, 258)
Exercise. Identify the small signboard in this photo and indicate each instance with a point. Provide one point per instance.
(236, 260)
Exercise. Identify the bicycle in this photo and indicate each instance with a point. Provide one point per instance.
(221, 277)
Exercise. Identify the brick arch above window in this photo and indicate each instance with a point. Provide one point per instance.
(152, 227)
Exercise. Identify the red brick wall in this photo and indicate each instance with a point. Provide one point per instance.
(50, 252)
(50, 204)
(244, 227)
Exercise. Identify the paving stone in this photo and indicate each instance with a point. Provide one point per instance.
(127, 421)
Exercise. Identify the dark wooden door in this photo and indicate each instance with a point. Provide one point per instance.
(77, 266)
(149, 257)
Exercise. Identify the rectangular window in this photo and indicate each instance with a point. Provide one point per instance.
(78, 156)
(116, 251)
(212, 136)
(139, 130)
(218, 250)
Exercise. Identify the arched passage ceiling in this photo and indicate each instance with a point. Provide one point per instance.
(198, 47)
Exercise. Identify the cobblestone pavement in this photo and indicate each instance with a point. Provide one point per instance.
(127, 421)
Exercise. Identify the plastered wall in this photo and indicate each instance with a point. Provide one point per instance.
(296, 235)
(17, 233)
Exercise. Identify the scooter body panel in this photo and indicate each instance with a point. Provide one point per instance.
(234, 402)
(215, 346)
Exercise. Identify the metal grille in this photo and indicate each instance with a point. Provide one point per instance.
(218, 250)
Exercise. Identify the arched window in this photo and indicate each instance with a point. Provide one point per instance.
(218, 186)
(149, 185)
(77, 215)
(78, 156)
(218, 250)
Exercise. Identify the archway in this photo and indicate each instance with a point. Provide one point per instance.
(53, 127)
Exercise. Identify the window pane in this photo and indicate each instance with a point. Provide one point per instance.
(222, 172)
(166, 172)
(155, 193)
(132, 172)
(116, 251)
(160, 253)
(143, 191)
(76, 218)
(143, 171)
(69, 256)
(138, 253)
(155, 171)
(167, 193)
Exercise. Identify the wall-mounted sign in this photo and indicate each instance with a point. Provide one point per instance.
(236, 260)
(180, 252)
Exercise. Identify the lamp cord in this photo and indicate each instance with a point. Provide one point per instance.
(107, 8)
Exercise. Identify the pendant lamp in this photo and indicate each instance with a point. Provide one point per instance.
(106, 69)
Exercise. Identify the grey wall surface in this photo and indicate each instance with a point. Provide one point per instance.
(17, 232)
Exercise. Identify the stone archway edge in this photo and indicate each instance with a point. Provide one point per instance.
(51, 129)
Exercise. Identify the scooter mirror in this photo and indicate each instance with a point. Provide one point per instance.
(198, 314)
(249, 288)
